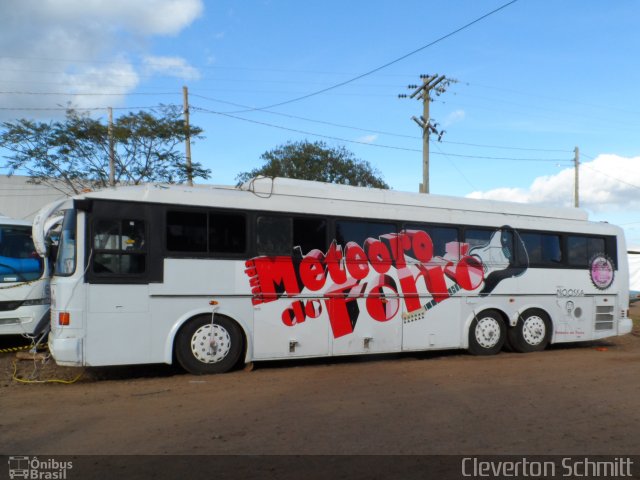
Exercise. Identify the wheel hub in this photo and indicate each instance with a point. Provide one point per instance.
(487, 332)
(210, 343)
(534, 330)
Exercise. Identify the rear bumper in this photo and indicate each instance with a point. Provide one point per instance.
(625, 325)
(66, 351)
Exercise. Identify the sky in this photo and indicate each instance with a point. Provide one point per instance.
(533, 80)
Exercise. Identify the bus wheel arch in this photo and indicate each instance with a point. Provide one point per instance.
(205, 345)
(487, 332)
(532, 332)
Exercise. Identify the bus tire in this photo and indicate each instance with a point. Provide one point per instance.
(532, 333)
(487, 333)
(204, 347)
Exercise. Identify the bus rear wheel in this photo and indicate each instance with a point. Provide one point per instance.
(487, 333)
(206, 346)
(532, 332)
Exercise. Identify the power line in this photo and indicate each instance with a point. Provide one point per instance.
(460, 172)
(225, 114)
(503, 147)
(88, 94)
(609, 176)
(79, 109)
(306, 119)
(381, 132)
(554, 160)
(388, 64)
(555, 99)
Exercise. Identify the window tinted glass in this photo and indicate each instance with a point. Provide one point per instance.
(494, 246)
(350, 231)
(274, 235)
(18, 258)
(186, 232)
(118, 264)
(542, 249)
(66, 259)
(309, 234)
(477, 237)
(227, 233)
(119, 247)
(582, 249)
(440, 237)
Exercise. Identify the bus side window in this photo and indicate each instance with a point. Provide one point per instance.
(274, 235)
(310, 234)
(119, 247)
(582, 249)
(444, 239)
(186, 231)
(227, 232)
(360, 231)
(543, 249)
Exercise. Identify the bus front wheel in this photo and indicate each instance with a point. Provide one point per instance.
(487, 333)
(532, 332)
(205, 345)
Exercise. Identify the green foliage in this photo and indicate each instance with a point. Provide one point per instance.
(316, 161)
(74, 152)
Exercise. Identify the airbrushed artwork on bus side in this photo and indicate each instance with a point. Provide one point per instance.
(384, 272)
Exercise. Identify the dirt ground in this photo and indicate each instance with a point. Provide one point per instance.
(578, 399)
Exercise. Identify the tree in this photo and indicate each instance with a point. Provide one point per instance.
(73, 154)
(316, 161)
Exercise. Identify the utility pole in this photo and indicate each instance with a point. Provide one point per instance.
(112, 151)
(438, 84)
(576, 192)
(187, 138)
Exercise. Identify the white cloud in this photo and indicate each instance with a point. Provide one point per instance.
(368, 139)
(78, 46)
(608, 183)
(454, 117)
(170, 66)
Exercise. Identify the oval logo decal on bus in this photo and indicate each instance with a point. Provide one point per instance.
(601, 272)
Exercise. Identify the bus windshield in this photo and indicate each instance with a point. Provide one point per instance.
(66, 260)
(19, 261)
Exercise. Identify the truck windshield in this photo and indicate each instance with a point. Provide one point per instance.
(19, 261)
(66, 260)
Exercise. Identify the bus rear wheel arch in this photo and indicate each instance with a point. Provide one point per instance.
(532, 332)
(487, 333)
(206, 345)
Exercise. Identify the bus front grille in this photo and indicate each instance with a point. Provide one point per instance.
(11, 305)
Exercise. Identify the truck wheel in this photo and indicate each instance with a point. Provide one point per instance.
(532, 333)
(487, 333)
(204, 346)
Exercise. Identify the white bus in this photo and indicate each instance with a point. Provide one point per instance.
(24, 281)
(306, 269)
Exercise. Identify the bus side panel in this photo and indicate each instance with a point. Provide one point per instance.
(188, 287)
(373, 325)
(118, 308)
(282, 329)
(437, 328)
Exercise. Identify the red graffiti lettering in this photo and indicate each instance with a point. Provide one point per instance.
(270, 276)
(342, 306)
(382, 301)
(312, 271)
(409, 252)
(294, 314)
(357, 262)
(378, 254)
(335, 264)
